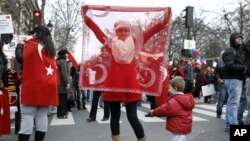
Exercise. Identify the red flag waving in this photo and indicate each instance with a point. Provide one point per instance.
(135, 59)
(72, 59)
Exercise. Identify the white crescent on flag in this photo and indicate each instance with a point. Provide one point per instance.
(152, 79)
(104, 73)
(39, 48)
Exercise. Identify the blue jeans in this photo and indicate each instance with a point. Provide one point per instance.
(223, 96)
(234, 89)
(247, 120)
(242, 105)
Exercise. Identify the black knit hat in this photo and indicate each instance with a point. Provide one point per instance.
(62, 52)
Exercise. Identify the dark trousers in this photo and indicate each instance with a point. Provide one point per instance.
(131, 110)
(222, 100)
(62, 107)
(197, 91)
(80, 97)
(152, 101)
(87, 95)
(94, 106)
(207, 99)
(188, 87)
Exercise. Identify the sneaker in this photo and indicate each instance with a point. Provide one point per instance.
(62, 117)
(105, 119)
(90, 120)
(218, 116)
(226, 130)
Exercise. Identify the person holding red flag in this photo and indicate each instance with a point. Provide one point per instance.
(123, 48)
(37, 57)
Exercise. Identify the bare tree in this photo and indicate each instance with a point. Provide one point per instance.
(67, 23)
(211, 35)
(42, 9)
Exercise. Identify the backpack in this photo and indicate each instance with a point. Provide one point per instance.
(221, 62)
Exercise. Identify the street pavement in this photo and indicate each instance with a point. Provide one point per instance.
(206, 127)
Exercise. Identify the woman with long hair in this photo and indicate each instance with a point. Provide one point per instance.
(39, 88)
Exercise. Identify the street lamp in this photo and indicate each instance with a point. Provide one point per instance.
(50, 25)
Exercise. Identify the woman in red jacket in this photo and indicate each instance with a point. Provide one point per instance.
(122, 73)
(177, 109)
(39, 88)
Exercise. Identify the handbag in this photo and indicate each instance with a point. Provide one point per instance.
(208, 90)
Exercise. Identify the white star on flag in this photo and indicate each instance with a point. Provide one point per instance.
(49, 70)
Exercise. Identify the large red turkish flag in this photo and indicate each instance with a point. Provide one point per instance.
(135, 62)
(40, 76)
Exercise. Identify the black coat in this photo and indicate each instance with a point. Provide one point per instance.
(235, 64)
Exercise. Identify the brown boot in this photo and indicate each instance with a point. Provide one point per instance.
(116, 138)
(142, 139)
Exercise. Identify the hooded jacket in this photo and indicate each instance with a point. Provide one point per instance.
(178, 110)
(234, 62)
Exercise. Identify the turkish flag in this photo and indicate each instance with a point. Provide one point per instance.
(144, 54)
(40, 76)
(72, 59)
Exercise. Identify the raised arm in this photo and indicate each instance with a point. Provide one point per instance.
(94, 27)
(157, 27)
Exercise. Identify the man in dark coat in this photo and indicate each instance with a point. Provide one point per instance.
(233, 71)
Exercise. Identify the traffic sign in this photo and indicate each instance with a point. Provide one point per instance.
(189, 44)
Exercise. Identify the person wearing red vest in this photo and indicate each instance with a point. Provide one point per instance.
(39, 88)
